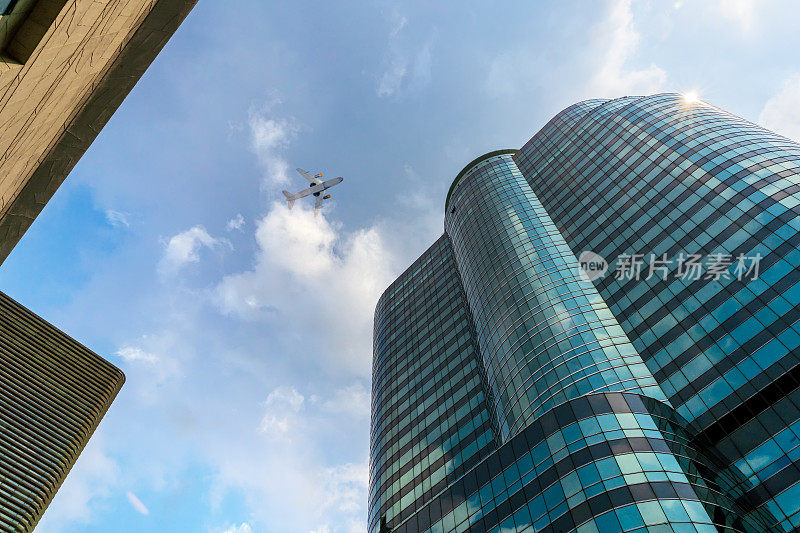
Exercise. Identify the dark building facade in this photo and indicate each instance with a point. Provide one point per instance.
(515, 390)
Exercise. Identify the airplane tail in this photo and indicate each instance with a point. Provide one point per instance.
(289, 198)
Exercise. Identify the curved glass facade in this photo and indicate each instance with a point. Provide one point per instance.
(599, 463)
(665, 180)
(430, 421)
(511, 393)
(545, 334)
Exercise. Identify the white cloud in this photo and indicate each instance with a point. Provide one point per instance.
(184, 248)
(423, 61)
(600, 67)
(316, 284)
(137, 504)
(118, 219)
(322, 281)
(392, 77)
(353, 400)
(268, 139)
(236, 223)
(619, 40)
(398, 23)
(155, 360)
(285, 397)
(131, 355)
(244, 527)
(303, 488)
(781, 113)
(267, 405)
(280, 407)
(408, 61)
(345, 485)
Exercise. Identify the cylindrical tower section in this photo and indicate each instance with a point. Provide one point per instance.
(544, 333)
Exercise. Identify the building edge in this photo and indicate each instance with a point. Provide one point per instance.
(123, 72)
(469, 166)
(54, 345)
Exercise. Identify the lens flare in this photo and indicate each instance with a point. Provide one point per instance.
(691, 97)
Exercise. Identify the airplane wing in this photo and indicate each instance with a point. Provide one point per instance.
(307, 175)
(318, 203)
(332, 182)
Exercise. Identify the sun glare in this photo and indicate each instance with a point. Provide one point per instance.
(691, 97)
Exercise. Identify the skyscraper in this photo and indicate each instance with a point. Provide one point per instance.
(65, 67)
(604, 339)
(53, 393)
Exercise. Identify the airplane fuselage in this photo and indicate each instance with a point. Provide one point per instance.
(316, 188)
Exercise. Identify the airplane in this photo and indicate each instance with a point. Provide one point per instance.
(317, 188)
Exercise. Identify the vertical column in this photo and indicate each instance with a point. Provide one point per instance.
(544, 332)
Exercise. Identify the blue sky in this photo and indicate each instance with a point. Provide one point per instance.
(245, 329)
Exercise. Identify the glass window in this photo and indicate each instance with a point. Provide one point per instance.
(652, 512)
(629, 517)
(607, 522)
(789, 500)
